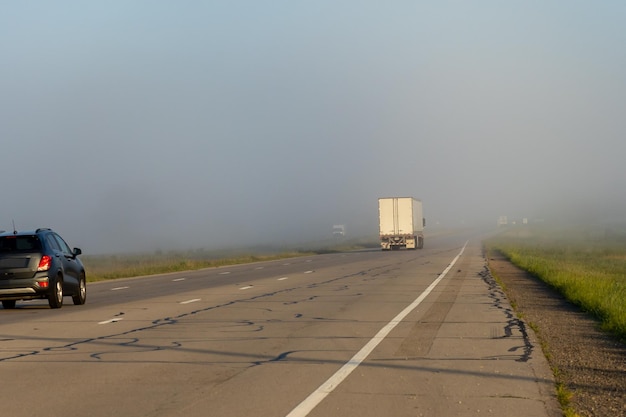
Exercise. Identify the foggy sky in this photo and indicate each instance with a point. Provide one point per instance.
(131, 125)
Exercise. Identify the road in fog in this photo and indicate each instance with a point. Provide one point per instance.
(271, 338)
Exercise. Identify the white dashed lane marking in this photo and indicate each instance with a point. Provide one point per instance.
(111, 321)
(194, 300)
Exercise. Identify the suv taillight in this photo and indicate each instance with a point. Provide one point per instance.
(44, 263)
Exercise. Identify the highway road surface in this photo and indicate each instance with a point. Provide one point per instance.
(365, 333)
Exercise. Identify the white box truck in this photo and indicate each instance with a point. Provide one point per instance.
(401, 222)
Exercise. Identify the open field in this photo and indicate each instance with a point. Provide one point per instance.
(588, 269)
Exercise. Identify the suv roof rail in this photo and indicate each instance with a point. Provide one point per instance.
(41, 229)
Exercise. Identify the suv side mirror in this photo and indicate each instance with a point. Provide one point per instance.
(76, 252)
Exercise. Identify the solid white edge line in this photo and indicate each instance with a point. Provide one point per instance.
(309, 403)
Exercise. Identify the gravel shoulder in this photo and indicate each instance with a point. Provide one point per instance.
(588, 362)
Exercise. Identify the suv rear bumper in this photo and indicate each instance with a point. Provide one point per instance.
(24, 289)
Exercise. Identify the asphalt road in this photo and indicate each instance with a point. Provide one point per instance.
(366, 333)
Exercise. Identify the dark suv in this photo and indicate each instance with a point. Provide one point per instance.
(39, 264)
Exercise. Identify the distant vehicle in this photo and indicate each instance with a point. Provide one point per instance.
(401, 223)
(39, 264)
(503, 221)
(339, 230)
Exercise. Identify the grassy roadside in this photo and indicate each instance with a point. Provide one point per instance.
(586, 266)
(106, 267)
(590, 271)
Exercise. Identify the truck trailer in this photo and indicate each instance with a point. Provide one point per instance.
(401, 223)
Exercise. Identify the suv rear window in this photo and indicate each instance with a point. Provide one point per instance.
(19, 243)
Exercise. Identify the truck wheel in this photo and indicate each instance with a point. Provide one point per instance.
(81, 296)
(8, 304)
(420, 243)
(55, 299)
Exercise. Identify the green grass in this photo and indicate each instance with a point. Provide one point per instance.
(589, 270)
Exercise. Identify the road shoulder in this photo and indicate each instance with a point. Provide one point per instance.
(589, 363)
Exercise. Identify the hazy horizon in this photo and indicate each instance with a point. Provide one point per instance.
(142, 125)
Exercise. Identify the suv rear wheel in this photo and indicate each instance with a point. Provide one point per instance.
(7, 304)
(55, 299)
